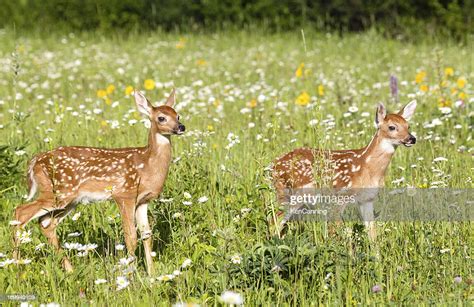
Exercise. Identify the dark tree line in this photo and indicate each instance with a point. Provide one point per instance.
(392, 16)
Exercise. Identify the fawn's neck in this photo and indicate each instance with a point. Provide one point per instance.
(376, 156)
(158, 152)
(155, 166)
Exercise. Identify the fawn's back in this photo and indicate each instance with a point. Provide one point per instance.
(82, 173)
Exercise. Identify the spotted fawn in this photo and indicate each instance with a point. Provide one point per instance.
(132, 177)
(348, 170)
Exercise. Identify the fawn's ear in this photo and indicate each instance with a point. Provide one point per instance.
(380, 114)
(143, 105)
(408, 111)
(171, 98)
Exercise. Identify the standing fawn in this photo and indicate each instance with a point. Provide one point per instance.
(347, 170)
(131, 177)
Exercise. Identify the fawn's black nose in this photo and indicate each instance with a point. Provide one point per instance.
(181, 128)
(409, 141)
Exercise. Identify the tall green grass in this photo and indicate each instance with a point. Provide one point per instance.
(226, 82)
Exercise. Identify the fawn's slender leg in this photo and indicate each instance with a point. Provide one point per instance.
(367, 213)
(26, 213)
(276, 220)
(44, 203)
(48, 224)
(37, 208)
(146, 235)
(127, 210)
(294, 205)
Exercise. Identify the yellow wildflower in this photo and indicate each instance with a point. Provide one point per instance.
(149, 84)
(216, 103)
(448, 71)
(420, 76)
(321, 90)
(442, 102)
(103, 123)
(110, 89)
(444, 83)
(454, 91)
(462, 96)
(299, 70)
(128, 90)
(461, 82)
(201, 62)
(101, 93)
(424, 88)
(252, 103)
(108, 101)
(181, 44)
(210, 128)
(303, 99)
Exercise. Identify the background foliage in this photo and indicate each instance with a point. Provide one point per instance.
(393, 17)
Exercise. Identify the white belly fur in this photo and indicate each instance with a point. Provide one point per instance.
(87, 197)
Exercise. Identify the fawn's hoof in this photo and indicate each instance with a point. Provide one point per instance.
(16, 254)
(150, 271)
(67, 265)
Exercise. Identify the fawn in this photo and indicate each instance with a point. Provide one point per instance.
(132, 177)
(347, 170)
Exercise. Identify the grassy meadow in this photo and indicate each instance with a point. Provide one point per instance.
(245, 99)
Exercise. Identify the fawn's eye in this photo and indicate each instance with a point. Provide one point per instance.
(161, 119)
(392, 128)
(177, 117)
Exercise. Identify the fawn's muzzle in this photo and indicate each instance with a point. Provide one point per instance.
(181, 129)
(409, 141)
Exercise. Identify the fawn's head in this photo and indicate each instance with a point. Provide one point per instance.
(394, 128)
(164, 119)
